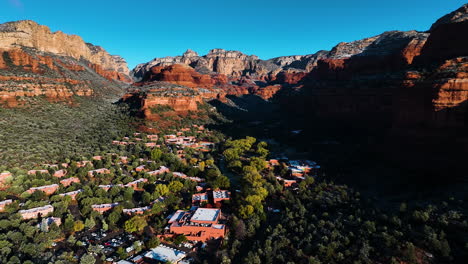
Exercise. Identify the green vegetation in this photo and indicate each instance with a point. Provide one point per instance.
(158, 109)
(328, 223)
(44, 132)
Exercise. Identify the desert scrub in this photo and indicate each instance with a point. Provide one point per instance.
(49, 131)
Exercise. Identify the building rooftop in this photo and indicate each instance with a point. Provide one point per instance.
(205, 215)
(177, 216)
(165, 254)
(220, 194)
(37, 209)
(200, 197)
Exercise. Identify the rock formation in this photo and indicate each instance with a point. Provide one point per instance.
(36, 62)
(29, 34)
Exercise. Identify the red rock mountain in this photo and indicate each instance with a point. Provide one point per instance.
(413, 83)
(37, 62)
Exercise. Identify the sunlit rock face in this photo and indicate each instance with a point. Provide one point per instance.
(36, 62)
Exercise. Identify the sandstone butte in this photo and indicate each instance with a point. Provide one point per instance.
(34, 61)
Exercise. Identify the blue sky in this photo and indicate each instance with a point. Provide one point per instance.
(142, 30)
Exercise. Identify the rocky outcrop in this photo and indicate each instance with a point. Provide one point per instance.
(35, 62)
(153, 100)
(184, 75)
(457, 16)
(29, 34)
(447, 38)
(234, 64)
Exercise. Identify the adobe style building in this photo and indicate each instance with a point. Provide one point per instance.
(221, 195)
(134, 184)
(160, 171)
(71, 194)
(107, 187)
(36, 212)
(60, 173)
(83, 163)
(3, 204)
(32, 172)
(199, 225)
(139, 210)
(91, 173)
(199, 198)
(140, 168)
(101, 208)
(69, 181)
(48, 189)
(4, 176)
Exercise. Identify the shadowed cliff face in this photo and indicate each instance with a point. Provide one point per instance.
(36, 62)
(405, 92)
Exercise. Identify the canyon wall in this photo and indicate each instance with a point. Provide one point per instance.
(36, 62)
(412, 85)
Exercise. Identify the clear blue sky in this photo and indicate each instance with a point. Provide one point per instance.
(144, 29)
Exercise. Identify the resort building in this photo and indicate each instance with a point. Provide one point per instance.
(199, 225)
(33, 172)
(48, 189)
(139, 210)
(69, 181)
(221, 195)
(199, 198)
(160, 171)
(164, 254)
(101, 208)
(36, 212)
(3, 204)
(91, 173)
(60, 173)
(134, 184)
(71, 194)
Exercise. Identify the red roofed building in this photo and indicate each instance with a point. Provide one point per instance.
(289, 183)
(36, 212)
(134, 184)
(274, 162)
(199, 225)
(48, 189)
(140, 168)
(4, 176)
(71, 194)
(133, 211)
(69, 181)
(101, 208)
(60, 173)
(221, 195)
(199, 198)
(160, 171)
(5, 203)
(91, 173)
(83, 163)
(33, 172)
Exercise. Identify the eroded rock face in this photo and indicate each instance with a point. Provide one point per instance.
(184, 75)
(36, 62)
(26, 74)
(29, 34)
(155, 99)
(457, 16)
(233, 64)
